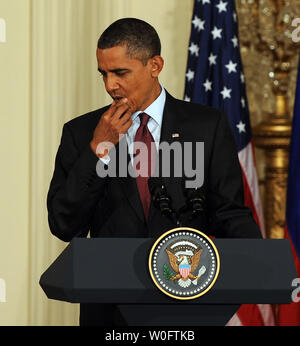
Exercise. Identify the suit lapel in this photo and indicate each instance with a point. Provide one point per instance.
(171, 124)
(128, 184)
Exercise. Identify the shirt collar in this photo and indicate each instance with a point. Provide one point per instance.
(156, 109)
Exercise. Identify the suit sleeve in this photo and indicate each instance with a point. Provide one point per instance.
(226, 192)
(74, 190)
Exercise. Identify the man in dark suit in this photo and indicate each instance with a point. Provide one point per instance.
(80, 201)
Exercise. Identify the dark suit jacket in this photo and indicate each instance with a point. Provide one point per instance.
(79, 201)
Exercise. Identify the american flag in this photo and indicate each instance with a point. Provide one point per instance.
(214, 77)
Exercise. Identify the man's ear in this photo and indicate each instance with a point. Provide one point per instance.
(157, 64)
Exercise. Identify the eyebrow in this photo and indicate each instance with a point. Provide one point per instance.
(116, 70)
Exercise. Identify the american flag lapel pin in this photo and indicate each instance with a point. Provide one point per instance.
(175, 135)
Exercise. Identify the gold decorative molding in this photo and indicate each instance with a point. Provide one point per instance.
(270, 62)
(276, 185)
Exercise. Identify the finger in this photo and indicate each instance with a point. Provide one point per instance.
(111, 110)
(126, 118)
(126, 125)
(119, 112)
(119, 103)
(124, 129)
(115, 105)
(132, 105)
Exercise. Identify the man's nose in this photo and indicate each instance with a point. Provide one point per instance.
(111, 83)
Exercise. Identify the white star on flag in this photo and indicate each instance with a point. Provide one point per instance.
(235, 41)
(241, 126)
(212, 59)
(187, 98)
(194, 49)
(231, 67)
(198, 23)
(226, 93)
(205, 2)
(207, 85)
(222, 6)
(190, 75)
(216, 33)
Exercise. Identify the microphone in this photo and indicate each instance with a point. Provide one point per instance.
(162, 200)
(195, 200)
(160, 197)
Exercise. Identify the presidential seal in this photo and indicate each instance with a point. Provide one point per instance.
(184, 263)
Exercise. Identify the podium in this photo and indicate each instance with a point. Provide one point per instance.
(106, 270)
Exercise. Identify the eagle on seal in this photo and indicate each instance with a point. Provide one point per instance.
(184, 263)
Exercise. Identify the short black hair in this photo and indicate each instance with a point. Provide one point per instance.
(140, 38)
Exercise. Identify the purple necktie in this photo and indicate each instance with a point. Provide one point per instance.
(144, 135)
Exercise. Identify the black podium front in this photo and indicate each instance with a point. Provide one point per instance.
(105, 270)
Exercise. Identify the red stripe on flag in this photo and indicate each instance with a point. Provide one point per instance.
(249, 315)
(248, 200)
(252, 199)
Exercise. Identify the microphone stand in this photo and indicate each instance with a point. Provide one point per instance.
(162, 201)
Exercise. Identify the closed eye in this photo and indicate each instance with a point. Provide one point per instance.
(117, 72)
(121, 73)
